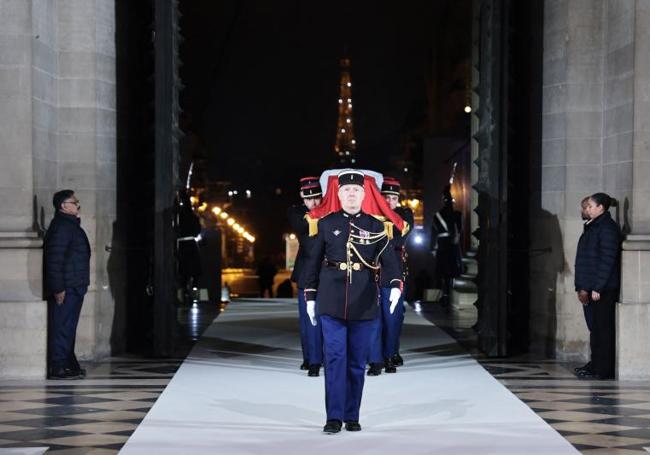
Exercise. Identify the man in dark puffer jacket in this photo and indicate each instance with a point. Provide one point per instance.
(597, 274)
(67, 276)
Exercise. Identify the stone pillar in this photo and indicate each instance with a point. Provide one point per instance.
(633, 312)
(86, 148)
(23, 313)
(570, 167)
(16, 180)
(57, 130)
(587, 143)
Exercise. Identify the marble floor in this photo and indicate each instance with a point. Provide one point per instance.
(250, 354)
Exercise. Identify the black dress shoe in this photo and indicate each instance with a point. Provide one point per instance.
(398, 360)
(585, 367)
(389, 366)
(62, 374)
(314, 370)
(81, 372)
(352, 426)
(375, 369)
(332, 426)
(305, 365)
(591, 376)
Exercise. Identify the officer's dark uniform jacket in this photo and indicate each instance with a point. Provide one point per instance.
(598, 258)
(399, 238)
(349, 289)
(299, 225)
(67, 254)
(443, 232)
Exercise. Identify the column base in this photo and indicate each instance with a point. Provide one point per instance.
(23, 340)
(632, 341)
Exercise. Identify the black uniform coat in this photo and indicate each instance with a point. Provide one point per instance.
(598, 259)
(67, 254)
(300, 227)
(448, 257)
(337, 297)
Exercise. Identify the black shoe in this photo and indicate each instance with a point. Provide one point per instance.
(332, 426)
(81, 372)
(398, 360)
(62, 374)
(586, 367)
(305, 365)
(352, 426)
(389, 366)
(314, 370)
(375, 369)
(591, 376)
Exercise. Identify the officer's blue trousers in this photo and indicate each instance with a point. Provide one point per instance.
(62, 331)
(310, 336)
(386, 329)
(346, 344)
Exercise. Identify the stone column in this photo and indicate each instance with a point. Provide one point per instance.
(86, 155)
(23, 313)
(570, 168)
(57, 130)
(633, 312)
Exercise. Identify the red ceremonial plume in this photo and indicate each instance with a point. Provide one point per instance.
(373, 202)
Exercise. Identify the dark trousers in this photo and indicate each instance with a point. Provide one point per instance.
(310, 335)
(346, 344)
(588, 310)
(603, 337)
(62, 332)
(386, 329)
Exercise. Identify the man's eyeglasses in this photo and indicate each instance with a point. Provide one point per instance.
(71, 202)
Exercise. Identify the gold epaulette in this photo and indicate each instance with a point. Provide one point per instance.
(313, 225)
(388, 229)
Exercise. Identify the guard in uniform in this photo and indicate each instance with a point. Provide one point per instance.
(310, 336)
(446, 230)
(388, 326)
(342, 274)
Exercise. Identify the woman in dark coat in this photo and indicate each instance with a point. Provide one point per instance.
(597, 275)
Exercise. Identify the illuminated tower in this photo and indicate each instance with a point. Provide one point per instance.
(345, 142)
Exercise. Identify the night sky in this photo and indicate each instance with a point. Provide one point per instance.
(261, 87)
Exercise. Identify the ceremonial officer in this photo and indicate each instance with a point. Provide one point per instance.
(342, 274)
(388, 326)
(310, 336)
(446, 230)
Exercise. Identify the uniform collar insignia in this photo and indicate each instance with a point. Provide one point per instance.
(337, 232)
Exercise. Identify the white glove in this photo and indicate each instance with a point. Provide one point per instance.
(395, 294)
(311, 311)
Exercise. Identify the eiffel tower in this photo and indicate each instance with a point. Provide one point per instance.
(345, 145)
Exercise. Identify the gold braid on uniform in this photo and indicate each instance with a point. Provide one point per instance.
(372, 238)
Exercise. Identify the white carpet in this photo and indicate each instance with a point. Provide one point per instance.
(240, 392)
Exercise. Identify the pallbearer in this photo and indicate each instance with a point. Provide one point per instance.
(385, 344)
(342, 272)
(310, 336)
